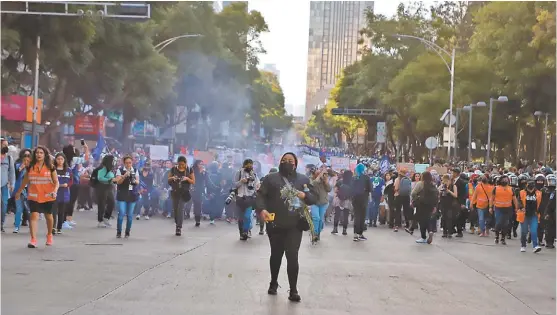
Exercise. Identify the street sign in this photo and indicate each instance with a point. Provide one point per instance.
(356, 112)
(431, 143)
(29, 127)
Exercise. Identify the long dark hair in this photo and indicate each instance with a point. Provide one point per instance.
(47, 159)
(22, 153)
(108, 162)
(195, 166)
(64, 165)
(427, 178)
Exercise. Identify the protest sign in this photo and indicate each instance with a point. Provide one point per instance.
(340, 163)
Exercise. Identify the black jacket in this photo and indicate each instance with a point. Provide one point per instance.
(268, 198)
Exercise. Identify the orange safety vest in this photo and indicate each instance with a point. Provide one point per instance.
(483, 196)
(40, 185)
(503, 197)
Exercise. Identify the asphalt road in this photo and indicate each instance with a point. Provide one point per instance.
(209, 271)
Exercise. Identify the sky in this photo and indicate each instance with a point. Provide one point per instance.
(286, 43)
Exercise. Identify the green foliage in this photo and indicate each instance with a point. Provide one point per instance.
(502, 48)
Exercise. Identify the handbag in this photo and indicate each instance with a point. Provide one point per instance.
(302, 224)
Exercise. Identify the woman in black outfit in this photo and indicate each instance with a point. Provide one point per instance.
(425, 196)
(198, 191)
(285, 231)
(389, 193)
(180, 178)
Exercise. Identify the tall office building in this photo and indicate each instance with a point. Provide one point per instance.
(334, 28)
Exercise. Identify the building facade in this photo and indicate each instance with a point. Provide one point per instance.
(333, 44)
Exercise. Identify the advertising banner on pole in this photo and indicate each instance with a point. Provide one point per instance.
(381, 132)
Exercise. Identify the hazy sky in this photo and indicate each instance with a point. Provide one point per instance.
(287, 42)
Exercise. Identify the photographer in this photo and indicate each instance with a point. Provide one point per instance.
(180, 178)
(320, 181)
(246, 183)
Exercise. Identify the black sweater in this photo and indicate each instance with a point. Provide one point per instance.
(268, 198)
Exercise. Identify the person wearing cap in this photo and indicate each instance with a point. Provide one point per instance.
(285, 229)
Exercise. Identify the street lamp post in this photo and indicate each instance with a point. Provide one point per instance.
(469, 108)
(438, 50)
(491, 101)
(160, 46)
(538, 114)
(62, 8)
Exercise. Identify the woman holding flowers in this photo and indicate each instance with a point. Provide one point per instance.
(282, 201)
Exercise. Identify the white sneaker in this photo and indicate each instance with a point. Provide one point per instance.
(537, 249)
(137, 217)
(212, 222)
(107, 222)
(101, 225)
(146, 217)
(67, 226)
(73, 223)
(421, 241)
(522, 249)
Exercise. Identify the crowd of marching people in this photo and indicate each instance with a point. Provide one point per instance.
(487, 202)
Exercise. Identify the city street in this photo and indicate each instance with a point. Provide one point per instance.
(209, 271)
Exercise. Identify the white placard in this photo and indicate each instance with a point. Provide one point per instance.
(158, 152)
(340, 163)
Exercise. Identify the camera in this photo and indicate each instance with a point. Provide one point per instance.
(230, 197)
(132, 177)
(250, 179)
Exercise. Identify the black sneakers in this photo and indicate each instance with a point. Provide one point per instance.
(244, 237)
(178, 231)
(294, 296)
(272, 288)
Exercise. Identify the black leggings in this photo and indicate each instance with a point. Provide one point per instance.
(344, 213)
(285, 241)
(59, 214)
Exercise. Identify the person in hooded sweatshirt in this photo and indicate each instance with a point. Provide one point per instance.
(286, 228)
(361, 191)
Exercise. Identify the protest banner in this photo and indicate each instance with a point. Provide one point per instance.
(340, 163)
(441, 170)
(158, 152)
(353, 164)
(420, 168)
(408, 166)
(205, 156)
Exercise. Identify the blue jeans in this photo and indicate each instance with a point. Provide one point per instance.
(502, 216)
(20, 206)
(482, 213)
(125, 209)
(5, 196)
(318, 217)
(244, 220)
(373, 209)
(530, 223)
(143, 202)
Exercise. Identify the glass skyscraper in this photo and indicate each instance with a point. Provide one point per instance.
(333, 44)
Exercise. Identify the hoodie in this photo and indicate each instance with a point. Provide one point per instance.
(362, 182)
(268, 197)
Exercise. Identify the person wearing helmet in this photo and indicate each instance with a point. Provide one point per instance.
(530, 208)
(550, 211)
(501, 204)
(513, 224)
(540, 185)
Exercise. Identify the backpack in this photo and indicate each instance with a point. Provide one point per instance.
(94, 180)
(344, 192)
(361, 185)
(405, 187)
(429, 196)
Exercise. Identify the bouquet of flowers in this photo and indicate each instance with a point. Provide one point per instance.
(290, 196)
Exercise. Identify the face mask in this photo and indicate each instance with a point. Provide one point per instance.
(5, 150)
(531, 186)
(286, 169)
(539, 186)
(504, 183)
(248, 169)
